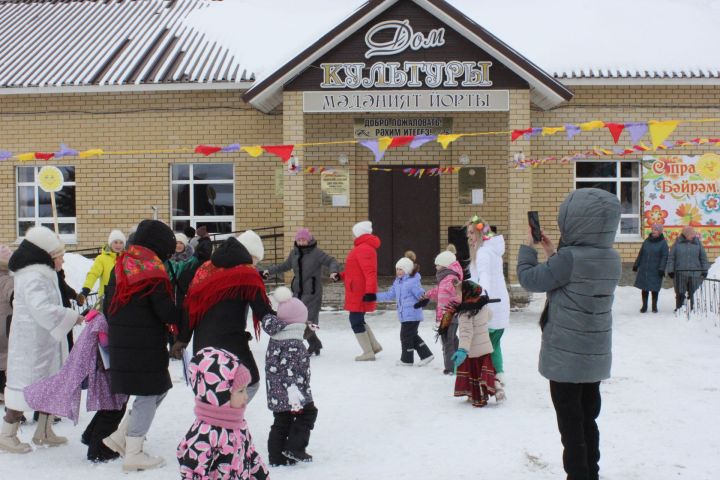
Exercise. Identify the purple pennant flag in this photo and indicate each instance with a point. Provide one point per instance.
(4, 154)
(535, 132)
(669, 144)
(235, 147)
(374, 147)
(421, 140)
(65, 152)
(571, 131)
(637, 130)
(618, 150)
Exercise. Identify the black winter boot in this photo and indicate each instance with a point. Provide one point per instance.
(314, 344)
(102, 425)
(299, 435)
(644, 294)
(278, 438)
(654, 301)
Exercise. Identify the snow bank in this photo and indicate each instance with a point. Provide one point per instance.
(76, 268)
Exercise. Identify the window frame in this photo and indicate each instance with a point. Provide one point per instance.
(191, 182)
(618, 179)
(70, 239)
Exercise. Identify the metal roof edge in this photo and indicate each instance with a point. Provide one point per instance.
(143, 87)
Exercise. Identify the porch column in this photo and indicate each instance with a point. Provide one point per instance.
(519, 181)
(293, 185)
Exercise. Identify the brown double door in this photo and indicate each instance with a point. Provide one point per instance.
(405, 212)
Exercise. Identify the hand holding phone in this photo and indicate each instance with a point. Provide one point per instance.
(534, 223)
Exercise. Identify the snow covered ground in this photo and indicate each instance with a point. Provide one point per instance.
(379, 421)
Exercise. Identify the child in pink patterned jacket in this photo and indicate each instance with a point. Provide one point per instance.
(449, 275)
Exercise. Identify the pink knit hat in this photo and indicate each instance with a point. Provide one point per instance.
(303, 234)
(290, 309)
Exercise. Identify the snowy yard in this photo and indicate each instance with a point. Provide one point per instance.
(380, 421)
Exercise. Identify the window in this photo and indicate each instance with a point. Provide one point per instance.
(621, 179)
(203, 194)
(34, 207)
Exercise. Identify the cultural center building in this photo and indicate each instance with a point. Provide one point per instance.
(407, 112)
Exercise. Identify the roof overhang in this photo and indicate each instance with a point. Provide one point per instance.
(128, 88)
(546, 91)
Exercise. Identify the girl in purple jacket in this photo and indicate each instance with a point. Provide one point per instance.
(406, 291)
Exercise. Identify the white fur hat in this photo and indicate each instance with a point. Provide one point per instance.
(445, 259)
(253, 243)
(406, 265)
(362, 228)
(182, 238)
(46, 239)
(116, 235)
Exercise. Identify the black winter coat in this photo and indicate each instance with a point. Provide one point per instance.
(225, 326)
(203, 252)
(139, 357)
(650, 264)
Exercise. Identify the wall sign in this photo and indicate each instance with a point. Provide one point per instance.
(680, 191)
(335, 188)
(407, 101)
(472, 182)
(401, 127)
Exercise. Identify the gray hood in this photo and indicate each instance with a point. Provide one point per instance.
(589, 217)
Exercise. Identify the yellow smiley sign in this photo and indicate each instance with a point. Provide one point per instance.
(50, 179)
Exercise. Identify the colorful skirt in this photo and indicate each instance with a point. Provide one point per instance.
(476, 380)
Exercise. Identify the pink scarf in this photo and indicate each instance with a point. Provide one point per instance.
(223, 417)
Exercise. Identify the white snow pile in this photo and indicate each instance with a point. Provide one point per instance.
(563, 36)
(714, 271)
(76, 268)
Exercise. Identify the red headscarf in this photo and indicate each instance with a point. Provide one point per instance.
(212, 285)
(138, 269)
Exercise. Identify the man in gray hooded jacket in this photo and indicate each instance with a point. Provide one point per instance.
(580, 280)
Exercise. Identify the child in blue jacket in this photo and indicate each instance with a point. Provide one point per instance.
(406, 291)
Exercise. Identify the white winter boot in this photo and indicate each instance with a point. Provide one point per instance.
(116, 440)
(499, 390)
(376, 347)
(136, 459)
(9, 441)
(44, 434)
(364, 341)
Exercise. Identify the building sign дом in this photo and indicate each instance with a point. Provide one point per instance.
(466, 81)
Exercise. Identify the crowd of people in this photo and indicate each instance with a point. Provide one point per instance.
(163, 292)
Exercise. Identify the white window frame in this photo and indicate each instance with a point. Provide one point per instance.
(66, 238)
(192, 218)
(618, 180)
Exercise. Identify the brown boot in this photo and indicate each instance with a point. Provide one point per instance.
(364, 341)
(44, 434)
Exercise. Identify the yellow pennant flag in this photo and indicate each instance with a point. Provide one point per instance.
(595, 124)
(384, 143)
(26, 157)
(446, 140)
(91, 153)
(254, 151)
(659, 131)
(552, 130)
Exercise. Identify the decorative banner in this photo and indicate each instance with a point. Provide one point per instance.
(253, 151)
(282, 151)
(615, 130)
(637, 130)
(4, 154)
(65, 152)
(91, 153)
(446, 140)
(207, 149)
(235, 147)
(593, 125)
(659, 131)
(571, 130)
(681, 191)
(421, 140)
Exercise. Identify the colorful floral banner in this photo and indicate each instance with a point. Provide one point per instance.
(680, 191)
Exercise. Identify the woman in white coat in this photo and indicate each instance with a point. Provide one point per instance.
(486, 269)
(37, 346)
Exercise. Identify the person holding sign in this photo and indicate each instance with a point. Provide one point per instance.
(37, 346)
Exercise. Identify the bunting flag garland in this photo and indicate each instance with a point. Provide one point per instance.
(401, 141)
(207, 150)
(571, 130)
(4, 154)
(65, 152)
(659, 131)
(552, 130)
(91, 153)
(446, 140)
(44, 155)
(421, 140)
(253, 151)
(282, 151)
(593, 125)
(235, 147)
(615, 130)
(637, 130)
(378, 146)
(519, 133)
(25, 157)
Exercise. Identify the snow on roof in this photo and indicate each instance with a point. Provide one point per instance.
(566, 38)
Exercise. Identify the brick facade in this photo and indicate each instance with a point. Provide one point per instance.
(116, 191)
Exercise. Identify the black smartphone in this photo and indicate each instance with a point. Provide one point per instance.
(534, 222)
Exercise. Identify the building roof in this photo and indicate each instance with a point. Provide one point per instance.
(51, 43)
(546, 91)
